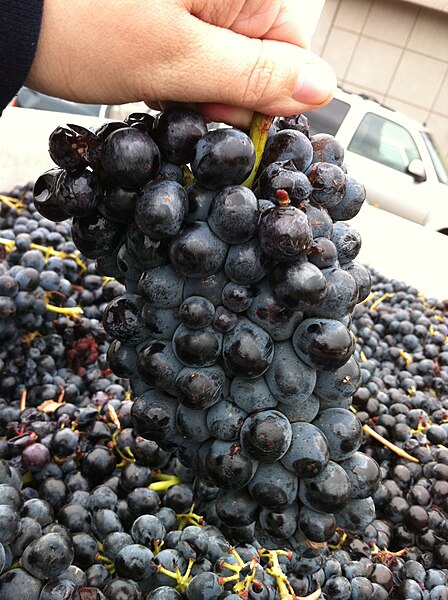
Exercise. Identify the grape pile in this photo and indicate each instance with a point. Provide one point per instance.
(234, 324)
(90, 510)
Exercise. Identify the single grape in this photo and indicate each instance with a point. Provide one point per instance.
(197, 252)
(284, 233)
(233, 215)
(130, 157)
(223, 157)
(161, 208)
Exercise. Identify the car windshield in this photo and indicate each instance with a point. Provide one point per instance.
(437, 160)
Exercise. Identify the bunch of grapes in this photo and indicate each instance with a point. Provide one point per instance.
(234, 328)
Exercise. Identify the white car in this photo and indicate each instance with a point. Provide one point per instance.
(392, 155)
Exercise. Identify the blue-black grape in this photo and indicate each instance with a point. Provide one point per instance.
(158, 366)
(200, 387)
(289, 379)
(308, 453)
(162, 287)
(327, 149)
(328, 491)
(223, 157)
(274, 318)
(298, 285)
(233, 214)
(328, 181)
(247, 349)
(273, 486)
(197, 252)
(252, 395)
(197, 347)
(130, 157)
(284, 176)
(225, 419)
(228, 466)
(323, 343)
(177, 131)
(343, 432)
(284, 233)
(289, 144)
(161, 208)
(266, 435)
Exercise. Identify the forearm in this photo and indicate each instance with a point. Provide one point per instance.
(20, 22)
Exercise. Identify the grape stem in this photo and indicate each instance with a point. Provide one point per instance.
(259, 131)
(388, 444)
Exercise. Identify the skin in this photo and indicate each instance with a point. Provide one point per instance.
(228, 58)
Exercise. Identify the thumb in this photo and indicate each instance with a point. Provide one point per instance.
(220, 66)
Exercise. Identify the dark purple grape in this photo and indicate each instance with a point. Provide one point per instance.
(48, 556)
(197, 252)
(234, 215)
(117, 204)
(266, 436)
(308, 453)
(284, 233)
(130, 157)
(227, 465)
(200, 387)
(323, 343)
(158, 365)
(154, 415)
(351, 202)
(196, 312)
(342, 430)
(297, 285)
(237, 297)
(327, 149)
(247, 349)
(197, 347)
(161, 208)
(46, 199)
(315, 525)
(284, 176)
(78, 192)
(122, 319)
(17, 583)
(177, 131)
(94, 236)
(288, 144)
(299, 122)
(162, 287)
(275, 319)
(328, 490)
(328, 181)
(35, 457)
(199, 202)
(273, 486)
(245, 263)
(223, 157)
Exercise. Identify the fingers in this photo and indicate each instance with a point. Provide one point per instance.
(292, 21)
(220, 66)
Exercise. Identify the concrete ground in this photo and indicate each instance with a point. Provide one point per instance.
(393, 246)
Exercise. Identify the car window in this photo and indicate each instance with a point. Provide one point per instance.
(385, 142)
(329, 118)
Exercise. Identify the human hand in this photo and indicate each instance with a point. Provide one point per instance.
(230, 58)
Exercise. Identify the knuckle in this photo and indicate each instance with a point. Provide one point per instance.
(261, 81)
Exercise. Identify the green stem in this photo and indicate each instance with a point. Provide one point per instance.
(259, 131)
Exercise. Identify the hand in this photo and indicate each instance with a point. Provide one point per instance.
(229, 57)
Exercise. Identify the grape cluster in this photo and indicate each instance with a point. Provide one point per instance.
(234, 328)
(90, 510)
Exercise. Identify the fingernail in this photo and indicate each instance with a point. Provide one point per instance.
(315, 84)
